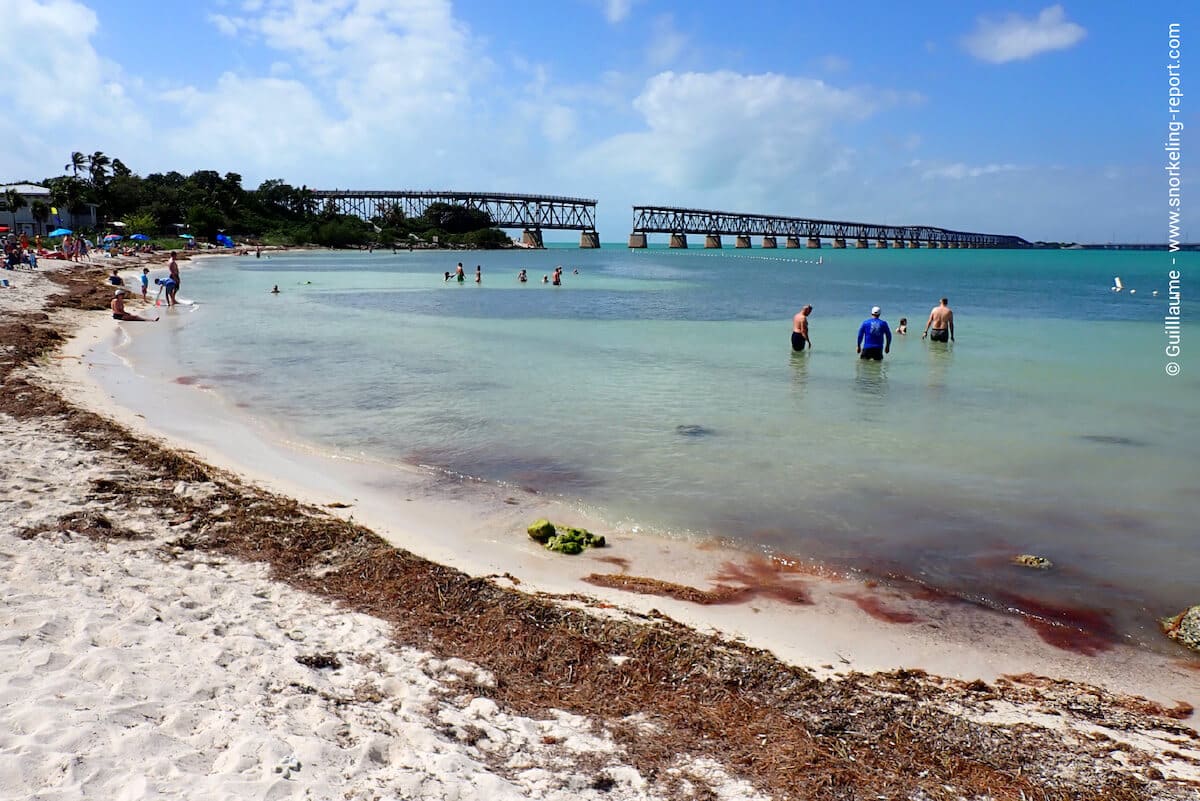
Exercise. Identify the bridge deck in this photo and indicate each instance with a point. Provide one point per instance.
(676, 220)
(507, 210)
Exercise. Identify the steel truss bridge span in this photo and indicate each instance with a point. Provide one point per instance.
(531, 213)
(679, 222)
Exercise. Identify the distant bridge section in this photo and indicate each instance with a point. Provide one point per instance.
(531, 213)
(714, 224)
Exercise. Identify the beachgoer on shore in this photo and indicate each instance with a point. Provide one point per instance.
(173, 269)
(115, 279)
(941, 319)
(902, 329)
(119, 313)
(800, 329)
(145, 279)
(874, 337)
(169, 287)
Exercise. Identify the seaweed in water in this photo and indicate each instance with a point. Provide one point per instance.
(1109, 439)
(693, 430)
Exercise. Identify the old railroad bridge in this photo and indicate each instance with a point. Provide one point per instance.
(536, 213)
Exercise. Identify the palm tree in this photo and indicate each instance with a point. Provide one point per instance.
(77, 161)
(98, 167)
(14, 200)
(41, 213)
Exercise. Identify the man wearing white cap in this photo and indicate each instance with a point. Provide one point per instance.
(119, 313)
(874, 337)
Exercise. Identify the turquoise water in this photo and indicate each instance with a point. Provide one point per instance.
(658, 389)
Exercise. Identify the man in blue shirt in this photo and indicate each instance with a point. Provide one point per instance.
(874, 337)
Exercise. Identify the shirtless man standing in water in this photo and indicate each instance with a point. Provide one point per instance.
(800, 329)
(942, 320)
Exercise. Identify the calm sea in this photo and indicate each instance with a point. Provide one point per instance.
(658, 389)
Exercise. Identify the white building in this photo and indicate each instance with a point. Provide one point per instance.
(59, 217)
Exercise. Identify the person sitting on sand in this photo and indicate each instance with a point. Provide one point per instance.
(119, 313)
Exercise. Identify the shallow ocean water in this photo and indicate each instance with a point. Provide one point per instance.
(657, 389)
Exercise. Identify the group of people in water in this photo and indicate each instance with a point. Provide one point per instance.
(875, 335)
(460, 275)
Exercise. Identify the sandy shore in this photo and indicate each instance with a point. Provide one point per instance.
(203, 634)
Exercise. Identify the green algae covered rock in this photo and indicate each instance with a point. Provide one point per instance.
(564, 539)
(541, 531)
(1036, 562)
(1184, 628)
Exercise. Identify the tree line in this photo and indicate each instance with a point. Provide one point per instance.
(208, 203)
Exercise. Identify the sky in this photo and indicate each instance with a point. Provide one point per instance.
(1043, 120)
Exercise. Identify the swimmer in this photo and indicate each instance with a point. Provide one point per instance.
(459, 273)
(275, 290)
(902, 329)
(942, 321)
(800, 329)
(522, 277)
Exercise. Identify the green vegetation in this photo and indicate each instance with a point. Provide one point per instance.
(564, 539)
(206, 203)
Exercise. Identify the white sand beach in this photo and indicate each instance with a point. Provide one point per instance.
(141, 665)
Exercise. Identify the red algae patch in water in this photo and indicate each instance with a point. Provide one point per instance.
(874, 607)
(770, 578)
(1083, 631)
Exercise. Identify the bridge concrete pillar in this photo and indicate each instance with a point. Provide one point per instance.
(532, 238)
(881, 243)
(861, 243)
(637, 240)
(769, 243)
(934, 244)
(679, 240)
(814, 242)
(712, 241)
(743, 242)
(589, 239)
(839, 243)
(915, 243)
(794, 242)
(898, 243)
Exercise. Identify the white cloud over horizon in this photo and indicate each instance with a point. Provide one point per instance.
(1016, 38)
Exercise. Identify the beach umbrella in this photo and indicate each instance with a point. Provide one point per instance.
(140, 237)
(60, 232)
(186, 236)
(113, 237)
(117, 223)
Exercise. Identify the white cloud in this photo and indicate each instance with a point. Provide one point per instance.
(959, 171)
(744, 142)
(224, 24)
(54, 83)
(617, 10)
(1016, 38)
(666, 42)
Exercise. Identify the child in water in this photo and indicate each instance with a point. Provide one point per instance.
(903, 327)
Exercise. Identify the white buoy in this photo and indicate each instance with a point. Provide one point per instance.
(1133, 292)
(1117, 285)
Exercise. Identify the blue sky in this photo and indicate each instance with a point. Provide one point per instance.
(1040, 119)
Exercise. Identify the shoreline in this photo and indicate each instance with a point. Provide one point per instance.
(803, 612)
(829, 619)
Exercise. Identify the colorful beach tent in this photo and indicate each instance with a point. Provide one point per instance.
(60, 232)
(224, 240)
